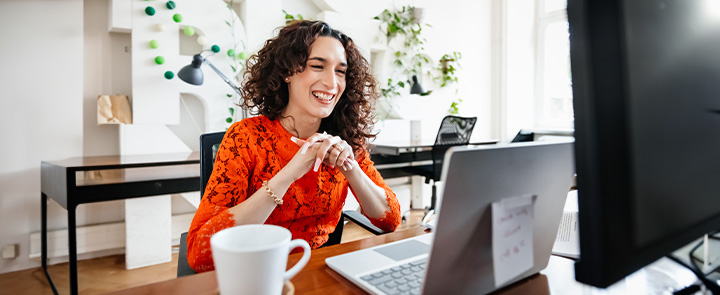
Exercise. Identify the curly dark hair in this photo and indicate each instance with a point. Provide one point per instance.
(265, 91)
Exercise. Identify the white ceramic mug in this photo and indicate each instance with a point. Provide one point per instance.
(251, 259)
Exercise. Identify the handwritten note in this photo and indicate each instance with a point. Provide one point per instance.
(512, 237)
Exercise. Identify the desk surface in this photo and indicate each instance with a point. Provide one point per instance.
(557, 278)
(115, 162)
(317, 277)
(80, 180)
(407, 146)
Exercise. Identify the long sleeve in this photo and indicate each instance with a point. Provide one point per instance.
(227, 186)
(254, 150)
(392, 218)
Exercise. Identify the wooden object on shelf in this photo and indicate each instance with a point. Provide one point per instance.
(113, 109)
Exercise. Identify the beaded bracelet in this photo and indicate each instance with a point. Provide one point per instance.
(271, 194)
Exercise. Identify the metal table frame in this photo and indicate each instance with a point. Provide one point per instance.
(59, 183)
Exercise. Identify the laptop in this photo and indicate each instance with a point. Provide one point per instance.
(457, 257)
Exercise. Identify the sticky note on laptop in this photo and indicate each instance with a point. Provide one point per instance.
(512, 237)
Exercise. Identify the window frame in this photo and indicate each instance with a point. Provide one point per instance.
(543, 20)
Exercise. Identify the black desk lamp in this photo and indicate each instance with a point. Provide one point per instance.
(192, 73)
(416, 88)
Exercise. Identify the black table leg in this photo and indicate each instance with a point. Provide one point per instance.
(43, 240)
(72, 250)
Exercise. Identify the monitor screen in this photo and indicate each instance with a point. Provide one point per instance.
(646, 88)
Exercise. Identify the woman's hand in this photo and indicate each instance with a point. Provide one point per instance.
(302, 161)
(331, 150)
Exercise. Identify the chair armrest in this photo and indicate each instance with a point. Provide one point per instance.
(183, 268)
(362, 221)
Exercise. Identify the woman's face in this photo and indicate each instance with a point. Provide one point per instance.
(315, 91)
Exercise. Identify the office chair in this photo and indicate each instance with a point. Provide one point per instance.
(209, 144)
(453, 131)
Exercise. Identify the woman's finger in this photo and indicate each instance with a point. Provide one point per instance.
(313, 139)
(325, 148)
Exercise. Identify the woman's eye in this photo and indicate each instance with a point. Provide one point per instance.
(316, 67)
(341, 71)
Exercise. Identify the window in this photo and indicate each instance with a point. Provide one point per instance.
(553, 87)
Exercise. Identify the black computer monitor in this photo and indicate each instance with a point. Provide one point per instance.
(646, 89)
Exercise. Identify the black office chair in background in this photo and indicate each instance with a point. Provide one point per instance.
(453, 131)
(209, 144)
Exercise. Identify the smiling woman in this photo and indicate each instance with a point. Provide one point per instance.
(315, 91)
(293, 165)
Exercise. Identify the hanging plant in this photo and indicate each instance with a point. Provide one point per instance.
(448, 64)
(410, 58)
(289, 18)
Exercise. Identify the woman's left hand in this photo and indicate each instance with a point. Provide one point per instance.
(333, 151)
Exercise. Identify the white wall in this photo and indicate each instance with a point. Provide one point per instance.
(463, 26)
(46, 114)
(41, 109)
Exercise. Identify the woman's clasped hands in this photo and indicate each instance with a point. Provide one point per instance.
(326, 149)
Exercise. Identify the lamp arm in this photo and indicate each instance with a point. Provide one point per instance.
(234, 87)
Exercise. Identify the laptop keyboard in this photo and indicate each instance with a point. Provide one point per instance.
(402, 279)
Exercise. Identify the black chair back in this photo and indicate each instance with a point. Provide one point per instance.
(454, 130)
(209, 143)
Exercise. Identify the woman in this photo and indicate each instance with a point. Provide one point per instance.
(292, 165)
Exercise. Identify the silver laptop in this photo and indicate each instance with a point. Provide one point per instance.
(457, 258)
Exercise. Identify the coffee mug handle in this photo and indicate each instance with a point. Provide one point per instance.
(303, 261)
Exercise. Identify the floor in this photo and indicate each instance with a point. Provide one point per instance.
(107, 274)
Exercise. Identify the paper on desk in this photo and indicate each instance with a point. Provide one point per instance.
(512, 237)
(567, 242)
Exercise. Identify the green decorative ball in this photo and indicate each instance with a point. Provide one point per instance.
(189, 31)
(169, 75)
(177, 18)
(229, 120)
(149, 11)
(231, 52)
(159, 60)
(154, 44)
(242, 55)
(215, 48)
(170, 5)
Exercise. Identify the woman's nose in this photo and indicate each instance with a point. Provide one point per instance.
(329, 79)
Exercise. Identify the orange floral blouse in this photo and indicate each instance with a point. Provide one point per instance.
(255, 149)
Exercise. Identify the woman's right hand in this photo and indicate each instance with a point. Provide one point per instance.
(302, 162)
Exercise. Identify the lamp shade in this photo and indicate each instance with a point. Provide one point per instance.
(192, 73)
(416, 88)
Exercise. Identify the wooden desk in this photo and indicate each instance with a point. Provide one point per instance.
(317, 278)
(70, 183)
(558, 278)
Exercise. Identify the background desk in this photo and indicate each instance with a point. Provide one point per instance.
(136, 176)
(391, 157)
